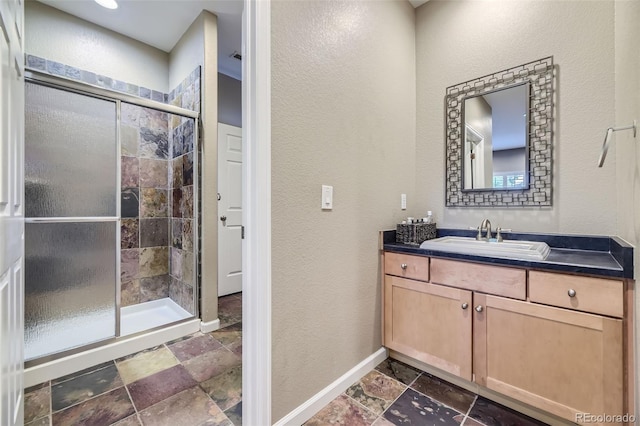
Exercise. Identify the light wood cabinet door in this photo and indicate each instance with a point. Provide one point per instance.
(430, 323)
(561, 361)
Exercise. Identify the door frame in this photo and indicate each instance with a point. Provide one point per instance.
(12, 212)
(256, 214)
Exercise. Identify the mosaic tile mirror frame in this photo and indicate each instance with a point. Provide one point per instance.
(539, 75)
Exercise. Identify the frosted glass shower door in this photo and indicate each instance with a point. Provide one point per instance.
(71, 210)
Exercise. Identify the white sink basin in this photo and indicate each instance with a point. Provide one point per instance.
(510, 249)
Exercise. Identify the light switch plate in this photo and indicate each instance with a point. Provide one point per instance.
(327, 197)
(403, 201)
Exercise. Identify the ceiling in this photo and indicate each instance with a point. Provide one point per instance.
(161, 23)
(417, 3)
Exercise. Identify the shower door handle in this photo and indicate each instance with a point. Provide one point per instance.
(224, 220)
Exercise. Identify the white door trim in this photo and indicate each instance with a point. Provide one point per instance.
(256, 215)
(11, 212)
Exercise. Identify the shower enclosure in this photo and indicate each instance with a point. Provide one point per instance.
(110, 240)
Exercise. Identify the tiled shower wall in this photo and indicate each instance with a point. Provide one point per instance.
(144, 205)
(181, 182)
(157, 202)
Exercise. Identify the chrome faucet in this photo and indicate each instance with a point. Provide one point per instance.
(486, 224)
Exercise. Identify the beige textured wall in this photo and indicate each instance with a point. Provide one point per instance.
(188, 52)
(627, 75)
(56, 35)
(627, 108)
(343, 114)
(199, 46)
(461, 40)
(209, 172)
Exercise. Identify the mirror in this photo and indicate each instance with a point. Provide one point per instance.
(499, 138)
(495, 146)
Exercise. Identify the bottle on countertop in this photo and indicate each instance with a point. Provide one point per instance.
(429, 218)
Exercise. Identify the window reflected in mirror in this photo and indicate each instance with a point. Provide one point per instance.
(495, 141)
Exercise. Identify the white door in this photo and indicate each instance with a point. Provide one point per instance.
(11, 212)
(229, 209)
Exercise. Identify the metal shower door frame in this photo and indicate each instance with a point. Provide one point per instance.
(62, 83)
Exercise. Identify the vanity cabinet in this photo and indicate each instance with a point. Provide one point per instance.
(551, 340)
(428, 322)
(561, 361)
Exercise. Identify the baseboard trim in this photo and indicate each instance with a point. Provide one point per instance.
(209, 326)
(314, 404)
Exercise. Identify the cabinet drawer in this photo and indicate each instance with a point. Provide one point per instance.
(596, 295)
(407, 266)
(497, 280)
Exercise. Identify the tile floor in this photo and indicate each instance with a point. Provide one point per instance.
(197, 381)
(397, 394)
(192, 381)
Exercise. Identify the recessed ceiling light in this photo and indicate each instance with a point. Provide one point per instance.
(109, 4)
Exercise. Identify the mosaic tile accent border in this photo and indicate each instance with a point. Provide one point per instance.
(61, 70)
(540, 75)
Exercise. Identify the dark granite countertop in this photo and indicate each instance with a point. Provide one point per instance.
(590, 255)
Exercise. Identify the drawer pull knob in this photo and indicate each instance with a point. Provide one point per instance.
(479, 308)
(465, 305)
(404, 266)
(571, 293)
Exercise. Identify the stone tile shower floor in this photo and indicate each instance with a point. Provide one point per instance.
(192, 381)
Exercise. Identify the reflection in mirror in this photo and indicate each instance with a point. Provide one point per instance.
(495, 141)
